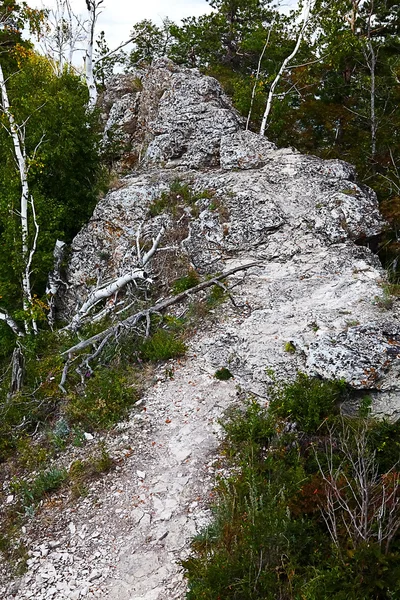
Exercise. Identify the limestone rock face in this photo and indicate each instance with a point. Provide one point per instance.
(307, 221)
(168, 115)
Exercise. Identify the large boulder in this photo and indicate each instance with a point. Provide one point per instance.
(312, 303)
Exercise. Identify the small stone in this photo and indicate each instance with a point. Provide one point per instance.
(95, 574)
(88, 436)
(10, 499)
(141, 474)
(72, 528)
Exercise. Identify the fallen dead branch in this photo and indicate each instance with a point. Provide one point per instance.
(129, 323)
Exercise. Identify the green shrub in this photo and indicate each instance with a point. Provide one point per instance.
(106, 399)
(186, 282)
(223, 374)
(307, 401)
(180, 194)
(162, 345)
(289, 347)
(30, 493)
(81, 472)
(268, 538)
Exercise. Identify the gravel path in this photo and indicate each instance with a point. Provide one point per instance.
(124, 540)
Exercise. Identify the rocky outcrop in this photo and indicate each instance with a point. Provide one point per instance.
(168, 115)
(314, 302)
(316, 292)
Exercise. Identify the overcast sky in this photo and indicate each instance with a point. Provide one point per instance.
(119, 16)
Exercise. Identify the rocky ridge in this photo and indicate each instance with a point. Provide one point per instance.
(313, 303)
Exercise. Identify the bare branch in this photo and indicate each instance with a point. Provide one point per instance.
(159, 307)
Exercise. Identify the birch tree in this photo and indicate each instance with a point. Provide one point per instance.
(94, 8)
(26, 205)
(307, 9)
(65, 36)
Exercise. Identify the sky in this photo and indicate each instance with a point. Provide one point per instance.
(119, 16)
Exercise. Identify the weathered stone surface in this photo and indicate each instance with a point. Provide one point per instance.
(167, 115)
(298, 214)
(313, 288)
(245, 150)
(193, 114)
(361, 355)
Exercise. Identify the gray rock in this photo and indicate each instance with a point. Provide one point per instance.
(245, 150)
(362, 355)
(298, 215)
(192, 115)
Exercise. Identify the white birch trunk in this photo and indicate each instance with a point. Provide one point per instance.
(304, 21)
(20, 157)
(253, 93)
(54, 281)
(92, 6)
(4, 316)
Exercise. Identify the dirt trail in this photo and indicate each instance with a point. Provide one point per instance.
(124, 540)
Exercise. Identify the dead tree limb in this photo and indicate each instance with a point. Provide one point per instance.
(17, 371)
(4, 316)
(159, 307)
(113, 287)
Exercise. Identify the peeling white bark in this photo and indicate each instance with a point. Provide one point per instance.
(17, 136)
(4, 316)
(130, 322)
(93, 9)
(54, 280)
(304, 21)
(253, 93)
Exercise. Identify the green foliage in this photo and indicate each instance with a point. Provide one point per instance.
(178, 197)
(186, 282)
(106, 399)
(268, 539)
(81, 472)
(307, 401)
(289, 347)
(30, 492)
(65, 176)
(150, 41)
(162, 345)
(223, 374)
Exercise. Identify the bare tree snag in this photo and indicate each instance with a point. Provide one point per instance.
(4, 316)
(17, 371)
(94, 11)
(54, 281)
(113, 287)
(253, 93)
(358, 498)
(130, 322)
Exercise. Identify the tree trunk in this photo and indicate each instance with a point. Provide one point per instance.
(20, 158)
(305, 17)
(17, 371)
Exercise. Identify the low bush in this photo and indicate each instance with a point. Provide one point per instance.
(223, 374)
(186, 282)
(162, 345)
(272, 535)
(106, 399)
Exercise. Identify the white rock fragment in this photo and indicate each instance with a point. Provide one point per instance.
(72, 528)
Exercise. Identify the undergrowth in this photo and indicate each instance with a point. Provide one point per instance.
(269, 537)
(40, 422)
(179, 196)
